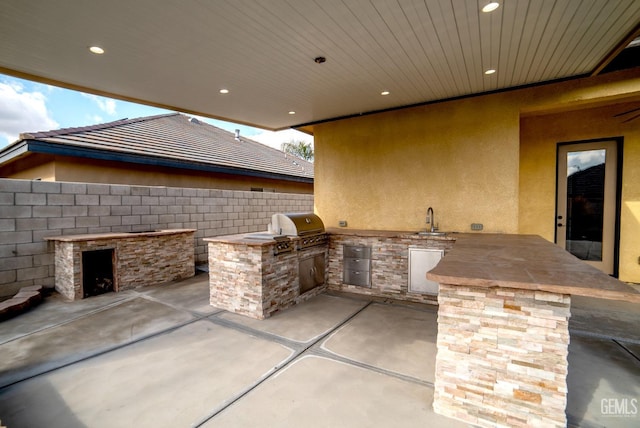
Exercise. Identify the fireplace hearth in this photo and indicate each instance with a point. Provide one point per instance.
(97, 272)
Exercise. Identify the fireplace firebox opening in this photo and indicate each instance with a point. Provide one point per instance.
(97, 272)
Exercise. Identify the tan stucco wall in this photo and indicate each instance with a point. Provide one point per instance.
(30, 167)
(461, 157)
(539, 137)
(95, 171)
(384, 171)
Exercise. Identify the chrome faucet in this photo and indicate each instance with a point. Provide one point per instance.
(430, 219)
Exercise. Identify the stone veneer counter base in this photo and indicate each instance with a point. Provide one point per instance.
(504, 308)
(389, 261)
(140, 258)
(247, 277)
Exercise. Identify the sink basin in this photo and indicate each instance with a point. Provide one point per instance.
(428, 233)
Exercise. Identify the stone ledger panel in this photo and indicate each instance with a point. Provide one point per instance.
(251, 280)
(389, 263)
(140, 259)
(502, 356)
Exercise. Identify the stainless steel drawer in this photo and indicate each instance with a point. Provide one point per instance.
(357, 252)
(361, 278)
(357, 264)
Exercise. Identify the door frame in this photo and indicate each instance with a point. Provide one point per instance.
(618, 198)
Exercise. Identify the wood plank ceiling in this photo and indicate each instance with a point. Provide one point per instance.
(179, 54)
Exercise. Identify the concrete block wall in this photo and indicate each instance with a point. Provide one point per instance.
(33, 210)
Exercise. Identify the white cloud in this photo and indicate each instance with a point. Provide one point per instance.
(93, 119)
(107, 105)
(275, 139)
(22, 111)
(579, 161)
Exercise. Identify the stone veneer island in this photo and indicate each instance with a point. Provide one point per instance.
(503, 328)
(258, 277)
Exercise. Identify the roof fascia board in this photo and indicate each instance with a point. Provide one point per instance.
(13, 152)
(83, 152)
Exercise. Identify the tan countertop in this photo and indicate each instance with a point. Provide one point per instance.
(450, 236)
(526, 262)
(257, 239)
(113, 235)
(263, 238)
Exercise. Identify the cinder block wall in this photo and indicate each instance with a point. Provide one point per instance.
(32, 210)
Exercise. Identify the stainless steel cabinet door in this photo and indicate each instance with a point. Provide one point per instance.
(421, 261)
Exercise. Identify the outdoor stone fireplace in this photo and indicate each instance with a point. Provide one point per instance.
(97, 272)
(88, 265)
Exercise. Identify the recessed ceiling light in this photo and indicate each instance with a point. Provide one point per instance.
(490, 71)
(385, 93)
(96, 50)
(490, 7)
(292, 112)
(224, 91)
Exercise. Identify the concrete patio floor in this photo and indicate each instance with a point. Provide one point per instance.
(161, 356)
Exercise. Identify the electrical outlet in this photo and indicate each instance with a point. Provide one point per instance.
(342, 223)
(476, 226)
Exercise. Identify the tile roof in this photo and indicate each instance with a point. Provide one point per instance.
(176, 137)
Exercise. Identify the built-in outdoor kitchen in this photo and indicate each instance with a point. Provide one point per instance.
(258, 274)
(503, 302)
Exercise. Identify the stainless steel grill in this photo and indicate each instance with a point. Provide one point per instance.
(296, 224)
(307, 226)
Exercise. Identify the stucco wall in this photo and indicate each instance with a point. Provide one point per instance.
(383, 171)
(80, 170)
(32, 210)
(539, 137)
(31, 167)
(461, 157)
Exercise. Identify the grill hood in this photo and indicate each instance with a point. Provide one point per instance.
(296, 224)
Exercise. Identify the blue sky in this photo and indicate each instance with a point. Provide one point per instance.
(27, 106)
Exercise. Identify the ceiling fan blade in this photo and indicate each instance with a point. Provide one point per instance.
(631, 118)
(626, 112)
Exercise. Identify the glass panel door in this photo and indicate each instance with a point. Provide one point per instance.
(585, 223)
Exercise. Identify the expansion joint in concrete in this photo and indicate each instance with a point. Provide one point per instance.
(298, 348)
(636, 357)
